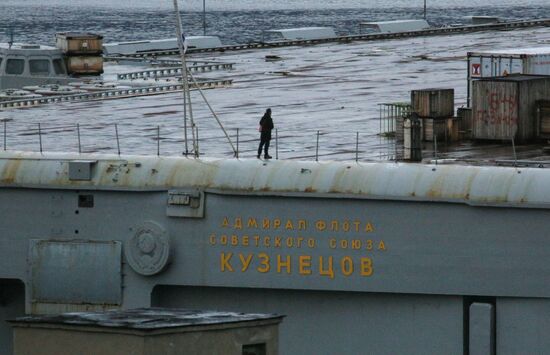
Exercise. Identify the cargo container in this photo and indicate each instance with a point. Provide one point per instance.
(77, 43)
(86, 65)
(506, 107)
(433, 103)
(503, 62)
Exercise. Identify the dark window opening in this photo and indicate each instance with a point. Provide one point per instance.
(39, 67)
(254, 349)
(86, 201)
(15, 66)
(59, 66)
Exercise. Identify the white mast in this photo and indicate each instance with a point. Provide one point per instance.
(186, 92)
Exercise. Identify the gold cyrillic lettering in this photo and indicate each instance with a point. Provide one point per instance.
(334, 226)
(238, 224)
(343, 243)
(357, 225)
(256, 240)
(345, 226)
(326, 272)
(311, 243)
(234, 240)
(355, 244)
(276, 223)
(252, 223)
(366, 266)
(304, 262)
(381, 245)
(369, 228)
(332, 243)
(369, 244)
(225, 222)
(213, 239)
(245, 261)
(281, 264)
(245, 240)
(289, 242)
(267, 241)
(299, 243)
(289, 225)
(320, 225)
(277, 242)
(302, 224)
(265, 223)
(264, 262)
(225, 260)
(346, 265)
(223, 239)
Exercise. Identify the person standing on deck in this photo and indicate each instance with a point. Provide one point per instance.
(266, 125)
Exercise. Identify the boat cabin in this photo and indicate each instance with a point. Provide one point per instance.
(25, 64)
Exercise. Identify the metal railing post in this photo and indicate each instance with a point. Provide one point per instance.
(356, 147)
(40, 136)
(117, 140)
(5, 134)
(276, 144)
(237, 152)
(78, 135)
(158, 141)
(197, 144)
(317, 148)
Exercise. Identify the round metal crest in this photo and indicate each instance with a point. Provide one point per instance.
(148, 251)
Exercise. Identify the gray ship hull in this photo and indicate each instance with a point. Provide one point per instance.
(362, 258)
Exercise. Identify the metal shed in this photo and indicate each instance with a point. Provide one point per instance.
(506, 107)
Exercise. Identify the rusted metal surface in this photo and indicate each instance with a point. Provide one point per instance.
(476, 185)
(74, 43)
(85, 65)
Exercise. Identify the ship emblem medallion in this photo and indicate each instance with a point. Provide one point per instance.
(148, 250)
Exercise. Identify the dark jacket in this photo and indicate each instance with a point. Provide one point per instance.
(267, 125)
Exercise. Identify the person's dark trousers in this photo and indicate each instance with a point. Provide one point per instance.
(264, 143)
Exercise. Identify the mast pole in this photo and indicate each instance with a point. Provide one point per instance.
(186, 93)
(424, 9)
